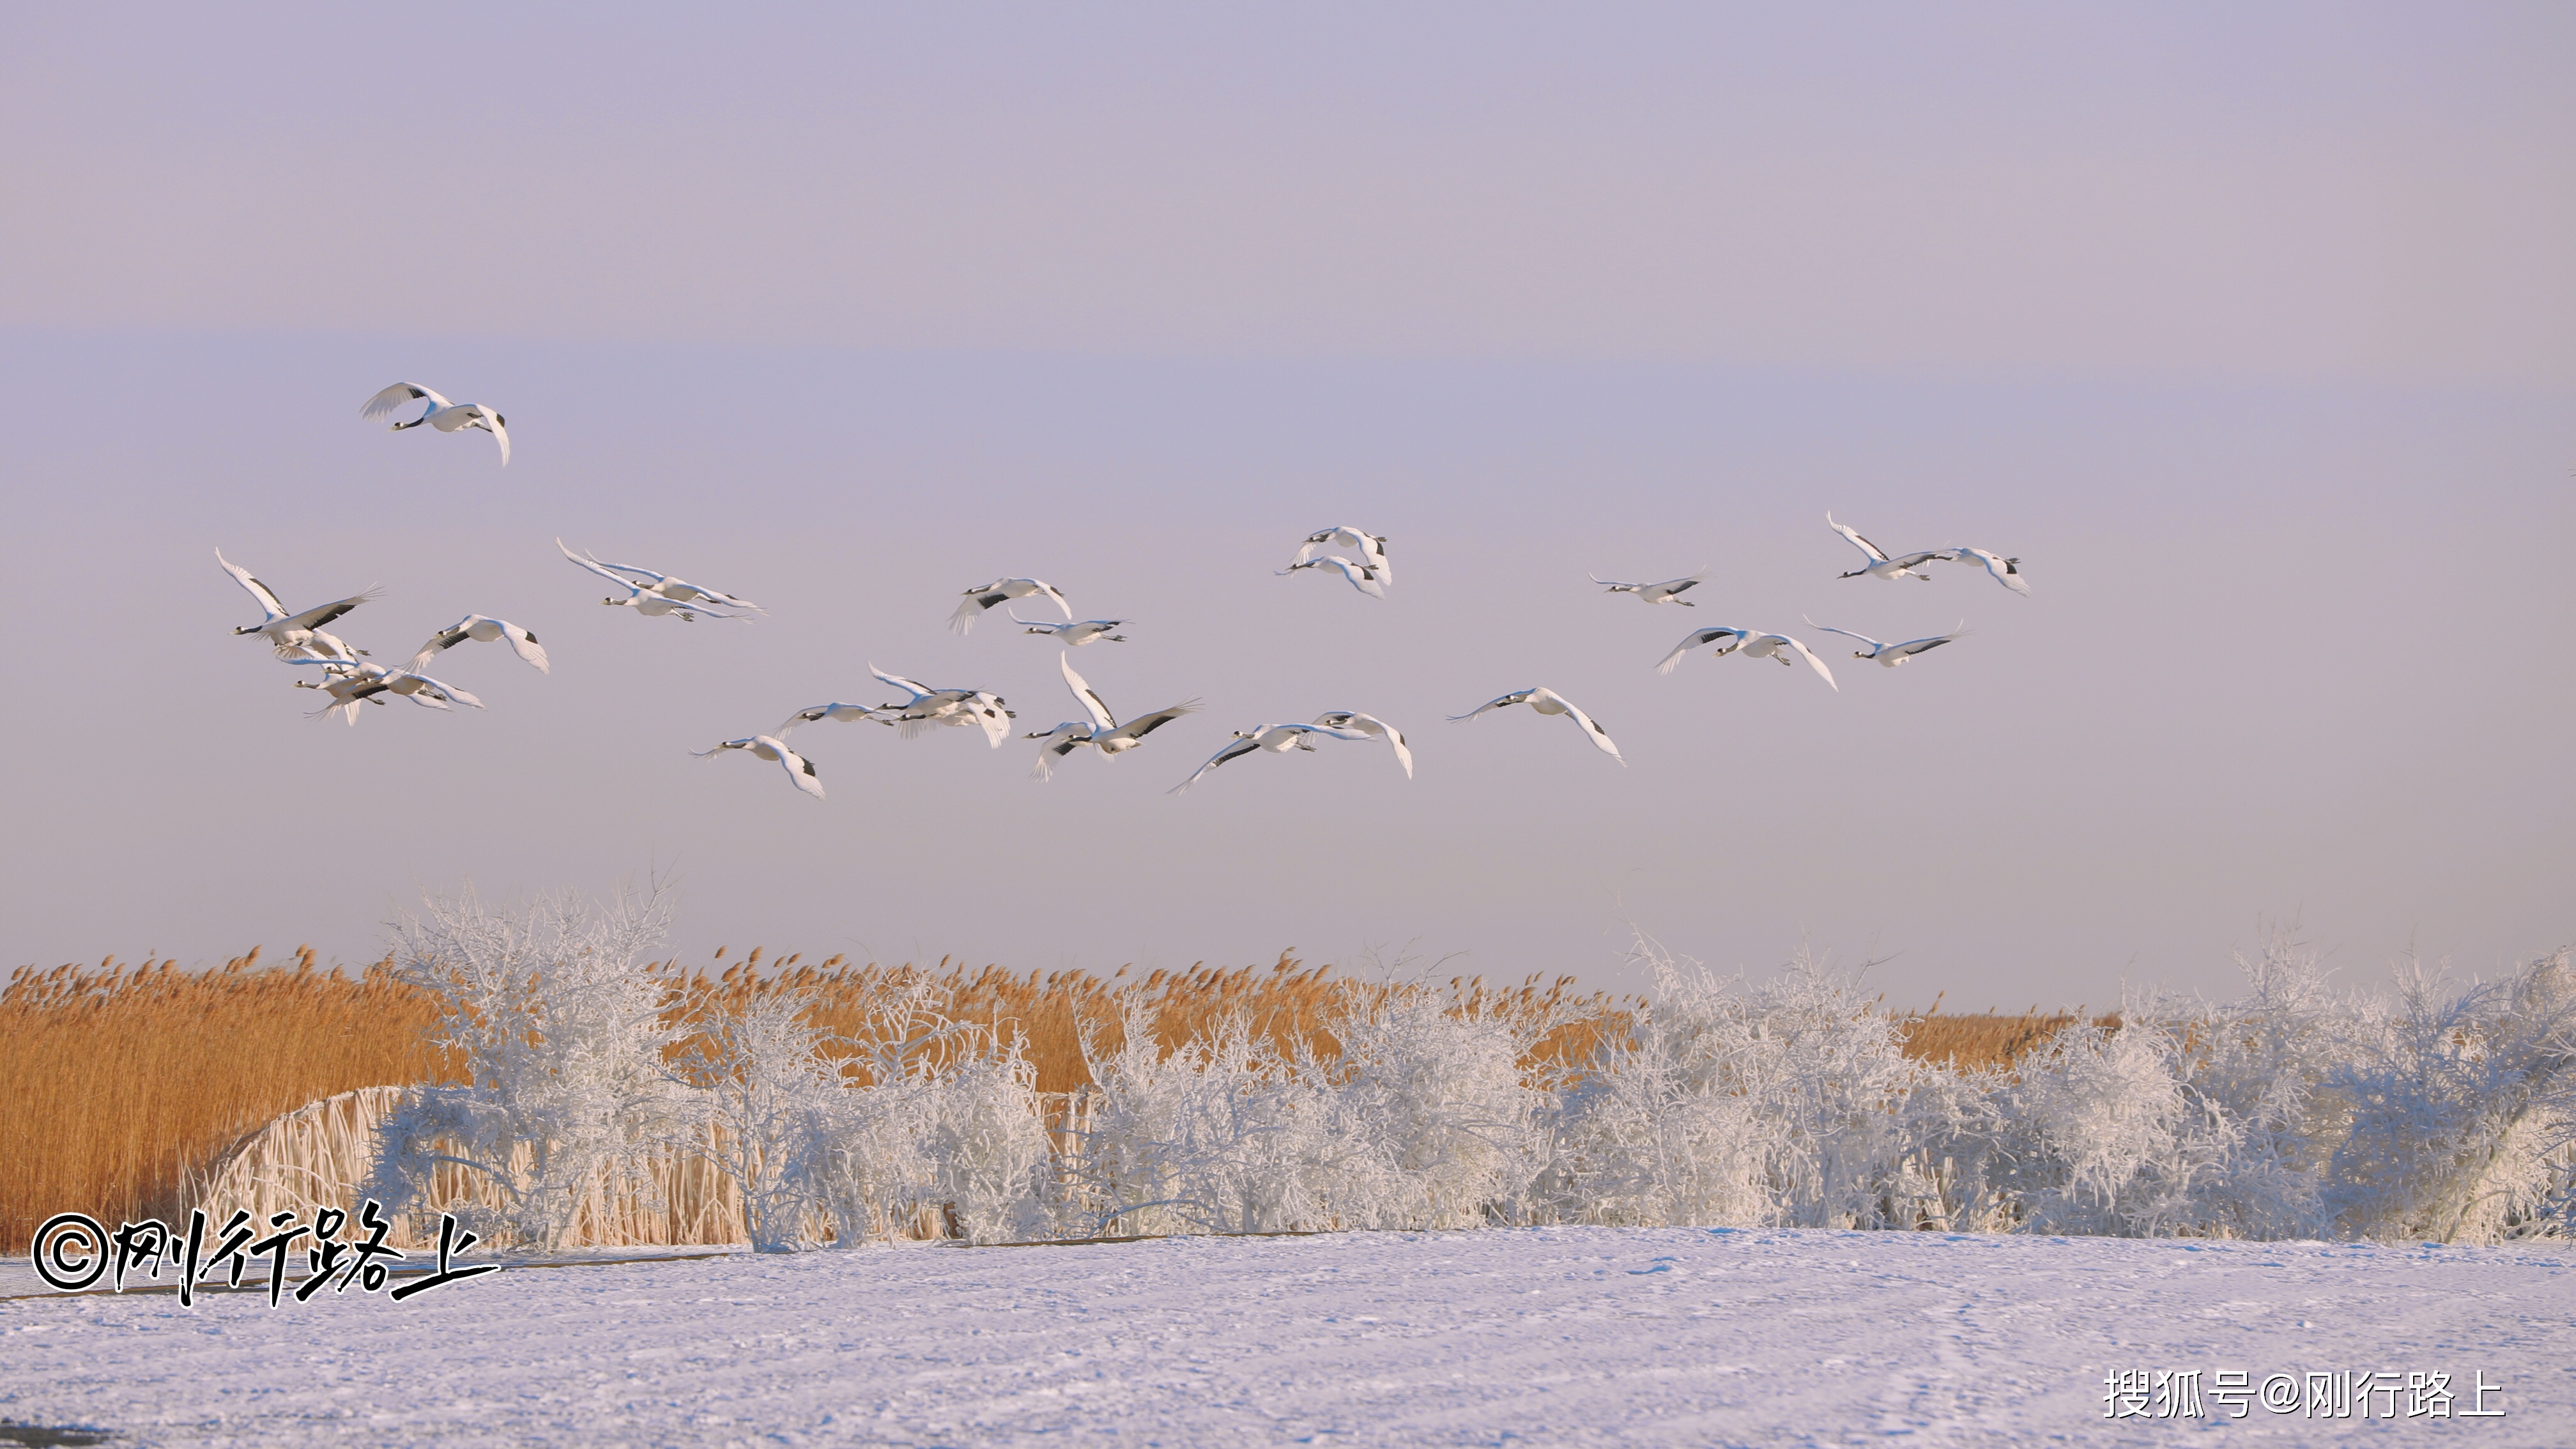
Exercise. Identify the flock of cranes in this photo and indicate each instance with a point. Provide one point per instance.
(351, 677)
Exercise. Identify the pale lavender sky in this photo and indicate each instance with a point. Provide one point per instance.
(2251, 330)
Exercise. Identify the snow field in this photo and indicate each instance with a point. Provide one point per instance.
(1550, 1335)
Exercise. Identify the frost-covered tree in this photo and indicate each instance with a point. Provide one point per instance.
(556, 1014)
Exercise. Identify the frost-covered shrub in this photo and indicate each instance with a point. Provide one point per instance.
(1223, 1134)
(2461, 1106)
(865, 1160)
(2187, 1118)
(763, 1090)
(1419, 1117)
(1784, 1103)
(984, 1132)
(1431, 1121)
(557, 1016)
(2110, 1138)
(863, 1134)
(2287, 1111)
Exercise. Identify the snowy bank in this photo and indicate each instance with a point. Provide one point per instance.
(1563, 1335)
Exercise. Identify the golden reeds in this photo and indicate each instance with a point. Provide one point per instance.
(121, 1086)
(1983, 1040)
(1287, 1001)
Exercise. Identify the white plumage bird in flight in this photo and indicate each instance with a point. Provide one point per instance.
(297, 635)
(1102, 731)
(1882, 564)
(1369, 724)
(1363, 577)
(2005, 571)
(1089, 631)
(1275, 739)
(769, 747)
(1892, 655)
(484, 630)
(1752, 644)
(998, 591)
(1670, 591)
(652, 594)
(439, 413)
(1548, 701)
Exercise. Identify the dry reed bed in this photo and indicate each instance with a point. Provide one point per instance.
(125, 1085)
(128, 1086)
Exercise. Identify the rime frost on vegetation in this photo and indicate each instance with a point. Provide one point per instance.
(2291, 1111)
(562, 1032)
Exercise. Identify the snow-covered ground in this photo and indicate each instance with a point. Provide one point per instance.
(1535, 1336)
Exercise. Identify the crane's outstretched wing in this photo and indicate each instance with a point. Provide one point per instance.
(1092, 704)
(918, 691)
(490, 422)
(1372, 725)
(1813, 662)
(599, 562)
(1693, 640)
(1145, 724)
(1515, 697)
(1592, 731)
(595, 566)
(267, 596)
(835, 710)
(1876, 554)
(799, 768)
(321, 614)
(1234, 750)
(1846, 633)
(397, 396)
(443, 689)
